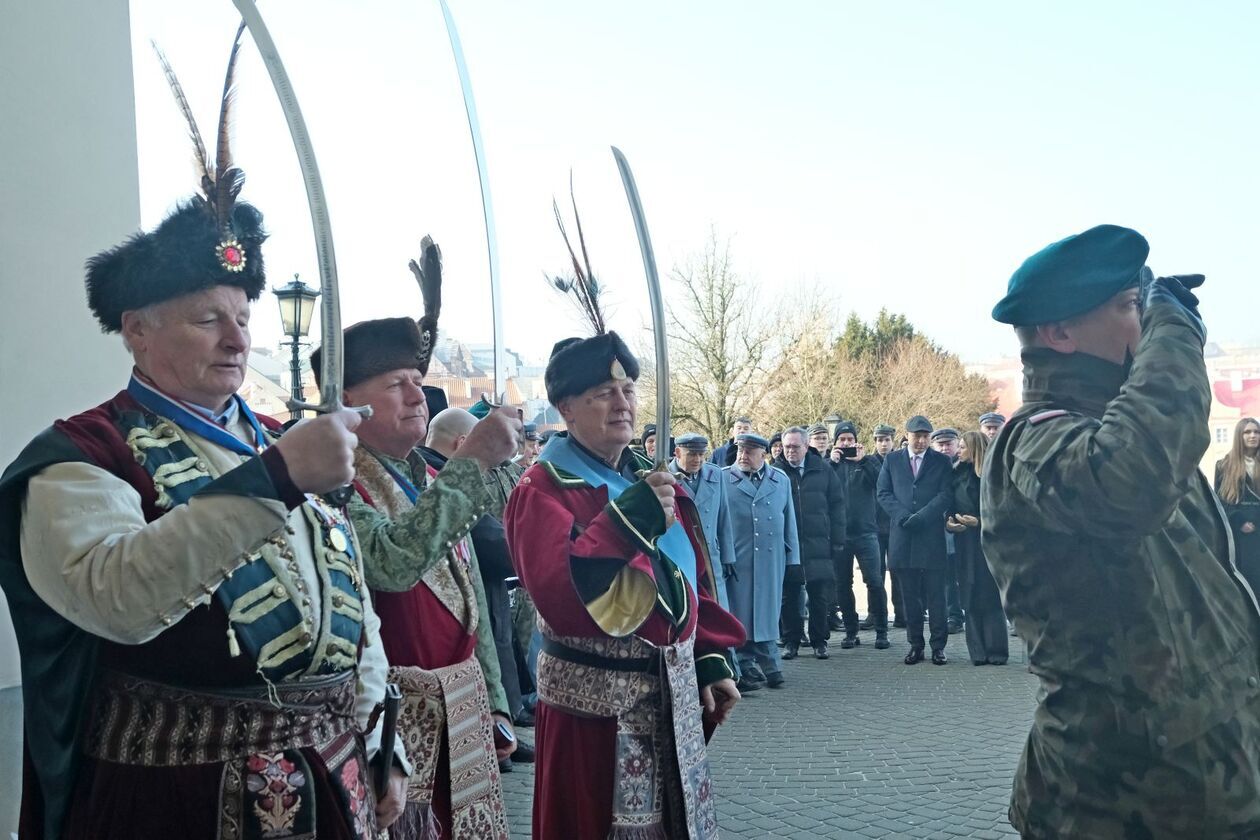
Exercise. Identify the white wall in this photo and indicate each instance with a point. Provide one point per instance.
(69, 187)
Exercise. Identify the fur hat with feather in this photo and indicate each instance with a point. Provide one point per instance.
(578, 363)
(209, 240)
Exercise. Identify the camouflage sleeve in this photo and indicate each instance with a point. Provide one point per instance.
(398, 552)
(487, 653)
(1124, 475)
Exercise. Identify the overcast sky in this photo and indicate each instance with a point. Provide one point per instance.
(902, 155)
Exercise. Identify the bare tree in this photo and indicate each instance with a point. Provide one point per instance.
(811, 378)
(722, 346)
(731, 356)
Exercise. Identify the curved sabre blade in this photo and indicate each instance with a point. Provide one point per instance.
(658, 309)
(487, 210)
(330, 300)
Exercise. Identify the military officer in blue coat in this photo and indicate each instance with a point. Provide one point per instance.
(763, 522)
(704, 483)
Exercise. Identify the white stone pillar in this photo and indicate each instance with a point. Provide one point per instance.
(69, 187)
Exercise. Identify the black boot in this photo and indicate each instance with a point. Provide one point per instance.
(790, 651)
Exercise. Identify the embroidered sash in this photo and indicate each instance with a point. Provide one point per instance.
(265, 742)
(660, 746)
(453, 701)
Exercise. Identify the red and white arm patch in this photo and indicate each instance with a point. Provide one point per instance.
(1042, 416)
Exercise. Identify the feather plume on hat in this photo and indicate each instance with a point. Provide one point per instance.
(210, 239)
(578, 363)
(582, 288)
(428, 274)
(220, 179)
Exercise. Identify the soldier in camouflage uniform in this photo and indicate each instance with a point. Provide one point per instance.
(1115, 561)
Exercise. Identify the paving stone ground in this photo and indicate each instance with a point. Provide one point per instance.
(862, 746)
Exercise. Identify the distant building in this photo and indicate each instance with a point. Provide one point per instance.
(1234, 371)
(463, 371)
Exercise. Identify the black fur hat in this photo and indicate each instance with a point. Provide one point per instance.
(375, 347)
(181, 256)
(580, 363)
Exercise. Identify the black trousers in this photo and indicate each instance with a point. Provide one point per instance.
(821, 595)
(953, 598)
(987, 636)
(924, 589)
(865, 549)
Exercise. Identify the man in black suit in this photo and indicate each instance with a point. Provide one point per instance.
(916, 489)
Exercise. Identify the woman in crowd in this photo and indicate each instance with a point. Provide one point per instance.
(1238, 485)
(986, 624)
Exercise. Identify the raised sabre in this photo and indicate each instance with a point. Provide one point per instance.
(330, 366)
(658, 309)
(487, 211)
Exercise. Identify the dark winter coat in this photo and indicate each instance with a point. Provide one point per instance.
(976, 587)
(820, 500)
(882, 524)
(917, 507)
(860, 479)
(1247, 509)
(724, 455)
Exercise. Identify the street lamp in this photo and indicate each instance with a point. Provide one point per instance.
(297, 303)
(831, 421)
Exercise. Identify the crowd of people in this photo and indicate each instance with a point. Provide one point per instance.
(231, 627)
(794, 514)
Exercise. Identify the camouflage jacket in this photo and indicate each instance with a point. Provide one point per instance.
(500, 482)
(1115, 563)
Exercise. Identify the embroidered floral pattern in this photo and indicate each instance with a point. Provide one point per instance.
(274, 781)
(355, 786)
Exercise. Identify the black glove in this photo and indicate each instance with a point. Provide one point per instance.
(728, 572)
(1174, 290)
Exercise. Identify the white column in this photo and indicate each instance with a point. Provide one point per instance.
(69, 188)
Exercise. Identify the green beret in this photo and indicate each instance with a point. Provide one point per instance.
(1073, 276)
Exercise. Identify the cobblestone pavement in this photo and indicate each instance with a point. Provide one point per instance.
(861, 746)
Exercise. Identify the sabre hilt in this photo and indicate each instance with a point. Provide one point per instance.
(340, 497)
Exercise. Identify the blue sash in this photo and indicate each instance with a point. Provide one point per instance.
(674, 544)
(164, 406)
(409, 490)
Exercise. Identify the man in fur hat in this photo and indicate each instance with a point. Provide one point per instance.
(414, 525)
(200, 655)
(633, 672)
